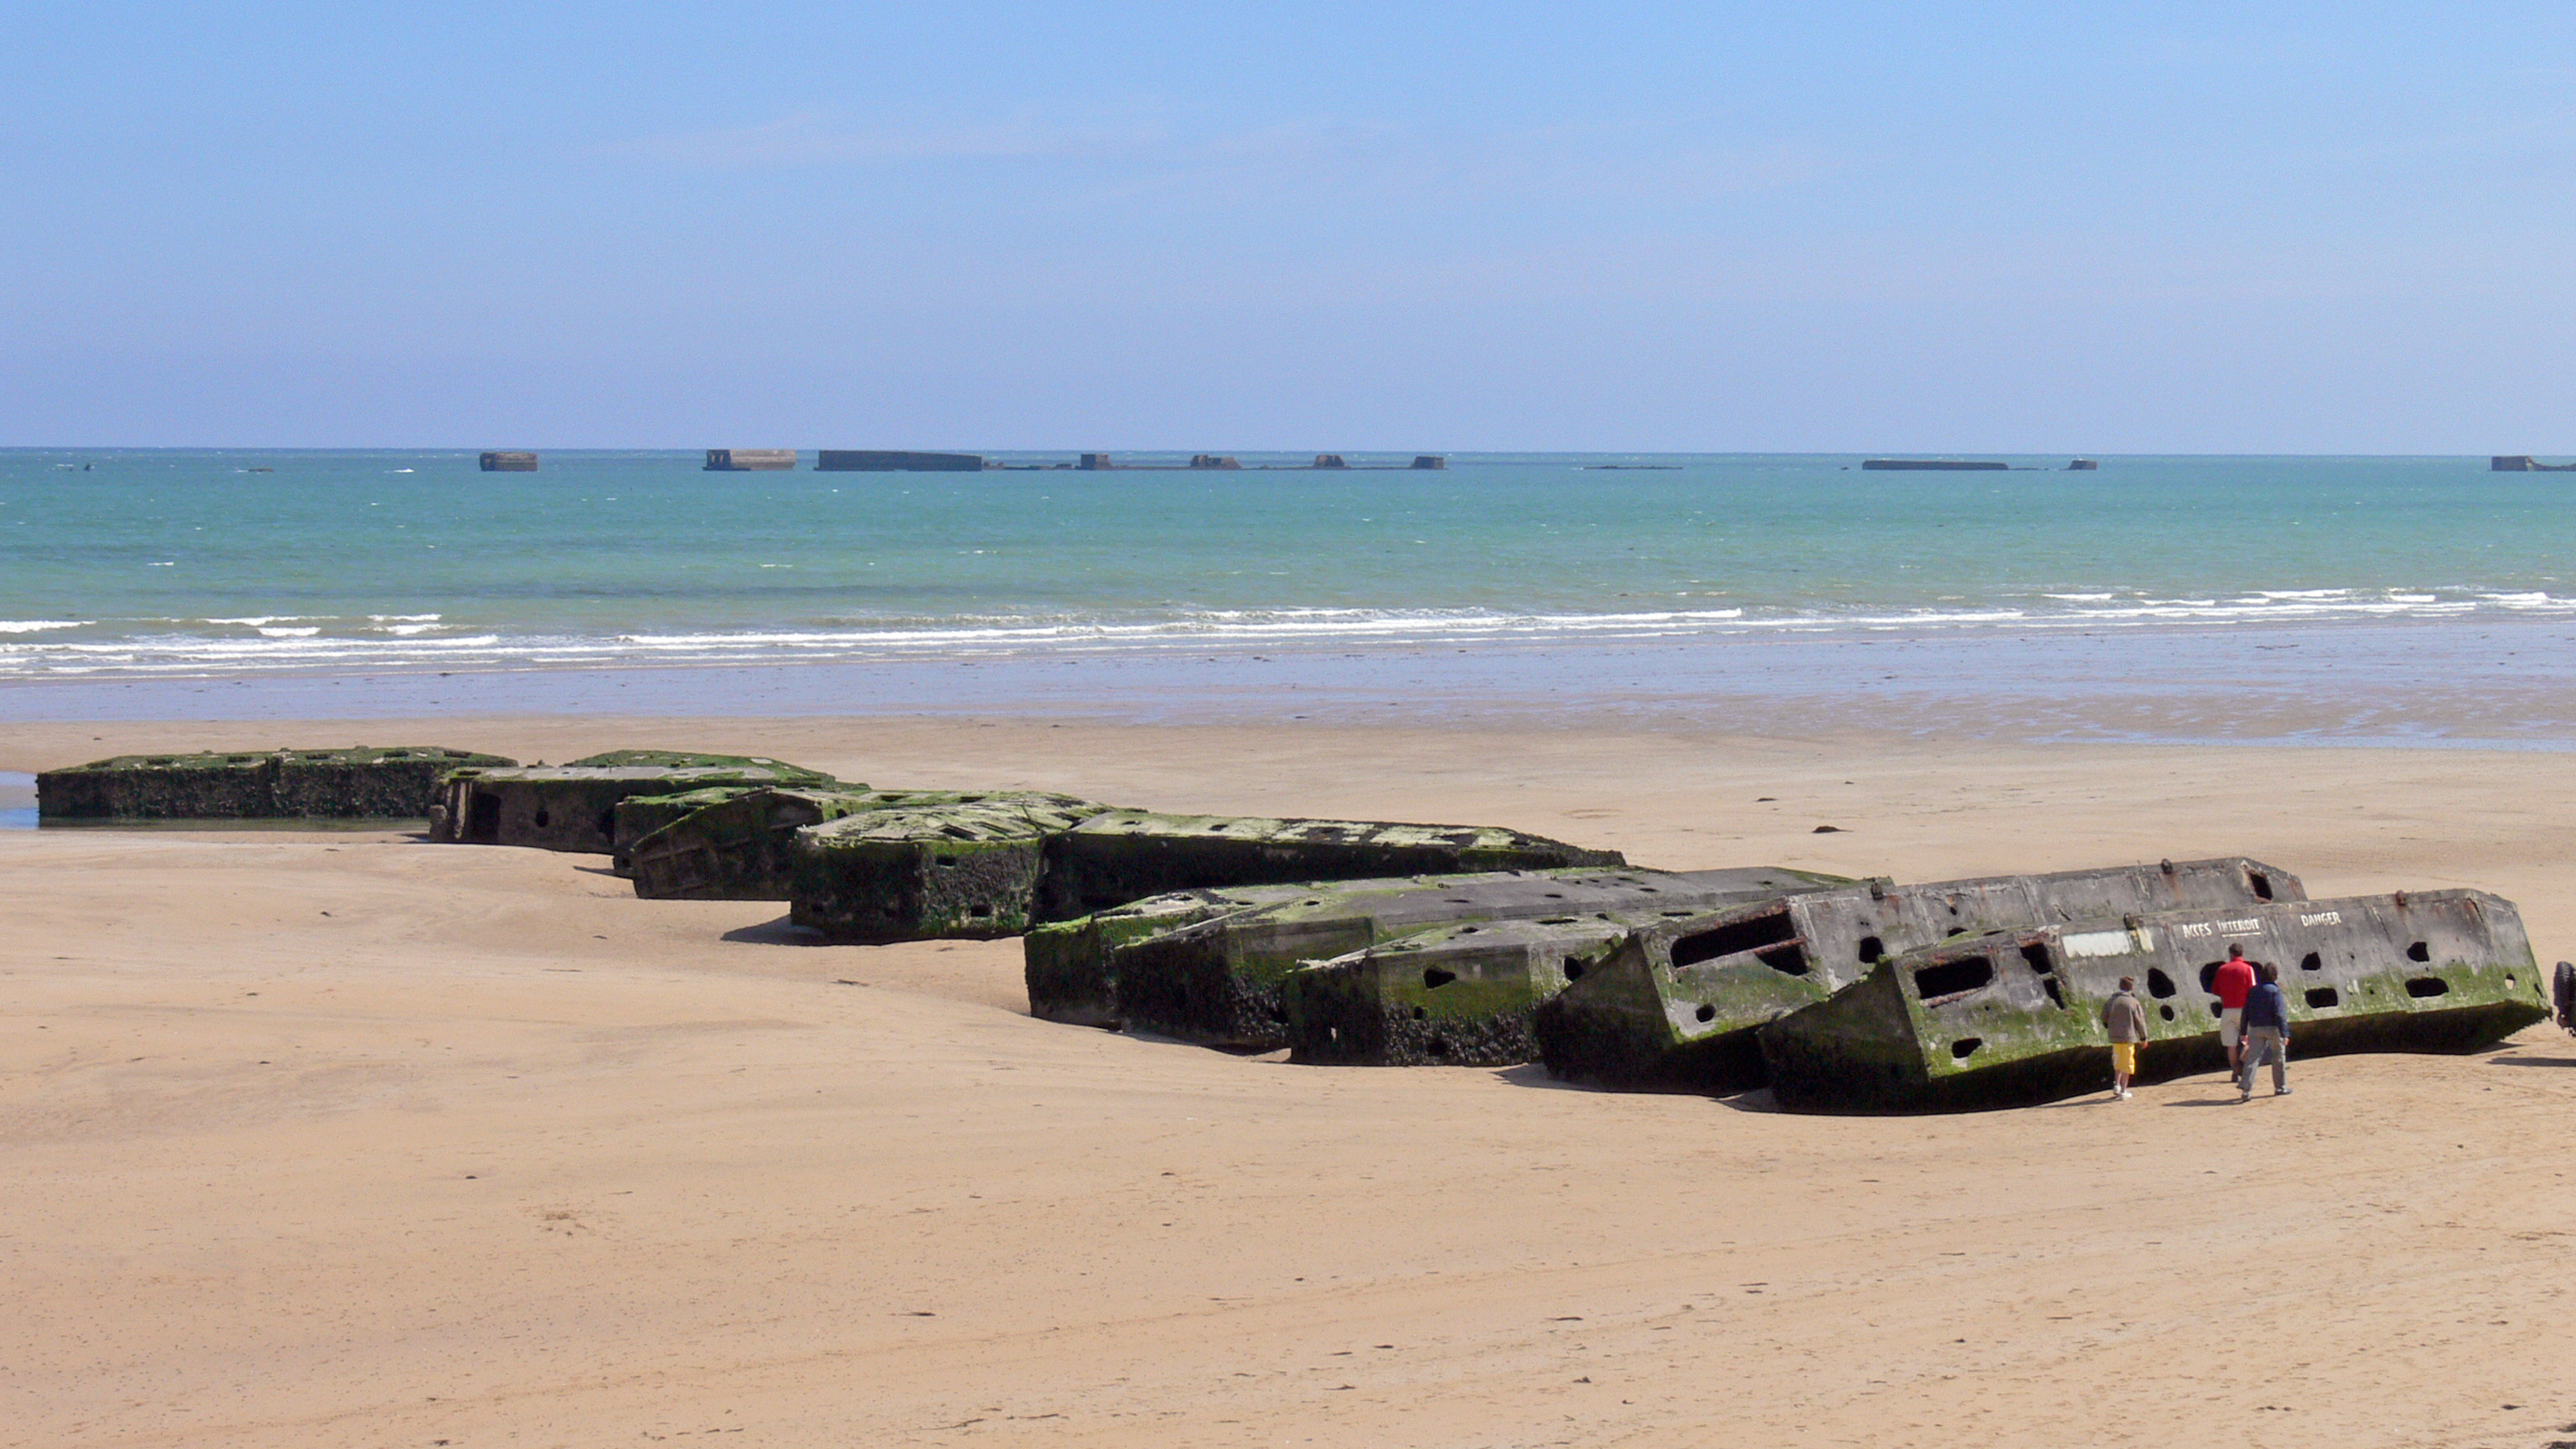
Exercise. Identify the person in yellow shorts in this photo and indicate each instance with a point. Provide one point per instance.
(2125, 1018)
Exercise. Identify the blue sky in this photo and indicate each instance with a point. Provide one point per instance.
(2174, 228)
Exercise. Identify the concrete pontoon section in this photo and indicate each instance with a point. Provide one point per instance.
(1461, 995)
(2016, 1017)
(1220, 981)
(1677, 1005)
(397, 783)
(1068, 963)
(1128, 855)
(573, 807)
(741, 847)
(919, 873)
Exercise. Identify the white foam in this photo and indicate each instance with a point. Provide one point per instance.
(38, 626)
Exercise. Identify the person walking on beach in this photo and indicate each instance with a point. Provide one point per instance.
(2267, 1034)
(2125, 1018)
(2233, 980)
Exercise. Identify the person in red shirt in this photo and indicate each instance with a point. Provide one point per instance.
(2232, 982)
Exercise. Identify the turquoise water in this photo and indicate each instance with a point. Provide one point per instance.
(196, 563)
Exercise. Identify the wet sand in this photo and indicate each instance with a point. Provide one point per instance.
(347, 1139)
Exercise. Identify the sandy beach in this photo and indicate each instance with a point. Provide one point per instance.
(348, 1139)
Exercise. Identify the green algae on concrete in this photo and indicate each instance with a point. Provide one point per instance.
(638, 816)
(1677, 1005)
(741, 847)
(573, 807)
(2015, 1017)
(1068, 962)
(911, 873)
(1460, 995)
(394, 783)
(1128, 855)
(1220, 981)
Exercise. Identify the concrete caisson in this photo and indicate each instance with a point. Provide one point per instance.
(1677, 1005)
(742, 847)
(399, 782)
(2015, 1017)
(1223, 981)
(1068, 963)
(752, 460)
(917, 873)
(1128, 855)
(573, 807)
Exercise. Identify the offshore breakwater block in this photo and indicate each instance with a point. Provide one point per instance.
(1128, 855)
(919, 873)
(871, 460)
(750, 460)
(1068, 962)
(1220, 982)
(1676, 1006)
(573, 807)
(361, 783)
(2016, 1017)
(742, 847)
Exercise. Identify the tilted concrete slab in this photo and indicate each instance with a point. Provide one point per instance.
(398, 782)
(573, 807)
(739, 845)
(917, 873)
(1677, 1005)
(638, 816)
(2016, 1017)
(1219, 981)
(1128, 855)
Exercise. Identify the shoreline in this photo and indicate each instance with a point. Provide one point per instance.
(2497, 685)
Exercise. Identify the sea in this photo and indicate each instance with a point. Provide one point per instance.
(1499, 581)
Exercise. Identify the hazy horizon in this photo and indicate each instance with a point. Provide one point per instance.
(2283, 230)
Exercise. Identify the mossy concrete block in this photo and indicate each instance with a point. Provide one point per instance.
(1461, 995)
(919, 873)
(742, 848)
(1128, 855)
(1219, 981)
(573, 807)
(1068, 962)
(1677, 1005)
(637, 816)
(398, 783)
(2015, 1017)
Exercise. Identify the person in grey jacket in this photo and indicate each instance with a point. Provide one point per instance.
(2267, 1034)
(2125, 1018)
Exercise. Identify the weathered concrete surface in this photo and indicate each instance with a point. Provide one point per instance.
(742, 847)
(1460, 995)
(1219, 981)
(1128, 855)
(2016, 1017)
(638, 816)
(915, 873)
(1677, 1005)
(508, 462)
(1068, 962)
(363, 783)
(573, 807)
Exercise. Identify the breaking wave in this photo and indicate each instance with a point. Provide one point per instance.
(405, 642)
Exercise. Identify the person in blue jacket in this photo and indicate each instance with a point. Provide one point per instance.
(2267, 1034)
